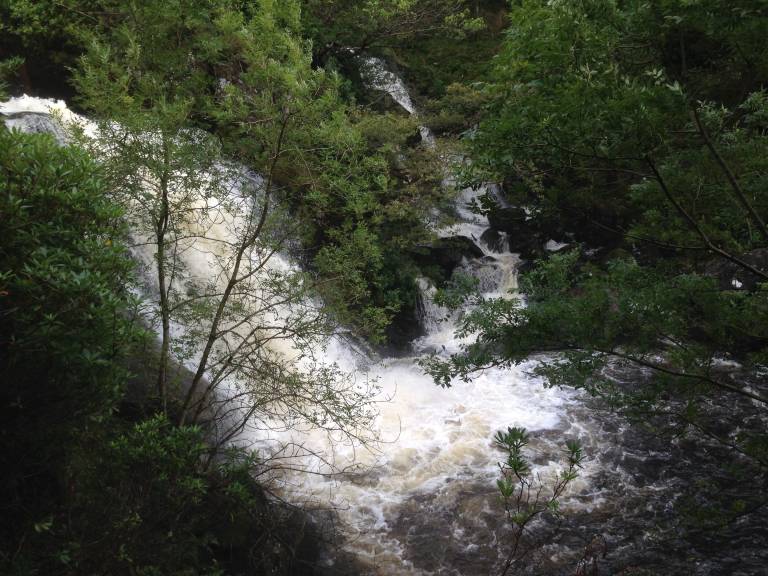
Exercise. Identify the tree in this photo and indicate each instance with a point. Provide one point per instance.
(616, 123)
(87, 488)
(343, 25)
(45, 36)
(353, 192)
(146, 503)
(525, 495)
(582, 93)
(67, 323)
(222, 301)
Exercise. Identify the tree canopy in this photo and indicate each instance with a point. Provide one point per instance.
(634, 130)
(237, 172)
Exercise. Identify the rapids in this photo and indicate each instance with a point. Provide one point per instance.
(436, 457)
(430, 441)
(433, 443)
(422, 498)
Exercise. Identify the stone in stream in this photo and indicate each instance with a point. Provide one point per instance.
(494, 239)
(522, 236)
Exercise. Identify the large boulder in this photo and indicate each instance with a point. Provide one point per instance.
(523, 236)
(507, 218)
(405, 327)
(494, 239)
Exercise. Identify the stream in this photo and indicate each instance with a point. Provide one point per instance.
(423, 499)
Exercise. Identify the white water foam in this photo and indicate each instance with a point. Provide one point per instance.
(429, 436)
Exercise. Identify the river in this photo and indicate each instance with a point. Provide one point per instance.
(422, 499)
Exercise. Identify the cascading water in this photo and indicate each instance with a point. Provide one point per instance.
(436, 455)
(423, 500)
(435, 444)
(272, 297)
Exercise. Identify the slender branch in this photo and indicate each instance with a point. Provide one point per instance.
(233, 280)
(692, 222)
(161, 230)
(737, 190)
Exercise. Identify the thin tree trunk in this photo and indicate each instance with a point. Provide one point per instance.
(738, 192)
(165, 312)
(234, 279)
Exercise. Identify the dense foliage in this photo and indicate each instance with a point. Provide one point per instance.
(63, 306)
(178, 92)
(632, 133)
(350, 25)
(88, 487)
(361, 192)
(638, 131)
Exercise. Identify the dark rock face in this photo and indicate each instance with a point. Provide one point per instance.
(524, 237)
(507, 218)
(446, 254)
(494, 240)
(404, 329)
(34, 123)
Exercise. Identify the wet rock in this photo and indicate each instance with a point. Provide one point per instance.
(555, 246)
(404, 329)
(525, 266)
(446, 254)
(34, 123)
(507, 218)
(524, 235)
(494, 240)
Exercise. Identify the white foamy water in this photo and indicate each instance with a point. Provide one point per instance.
(432, 441)
(272, 300)
(434, 438)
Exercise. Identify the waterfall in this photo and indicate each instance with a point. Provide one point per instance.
(426, 489)
(436, 442)
(378, 77)
(273, 298)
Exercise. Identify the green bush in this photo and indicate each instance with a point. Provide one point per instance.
(63, 272)
(86, 492)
